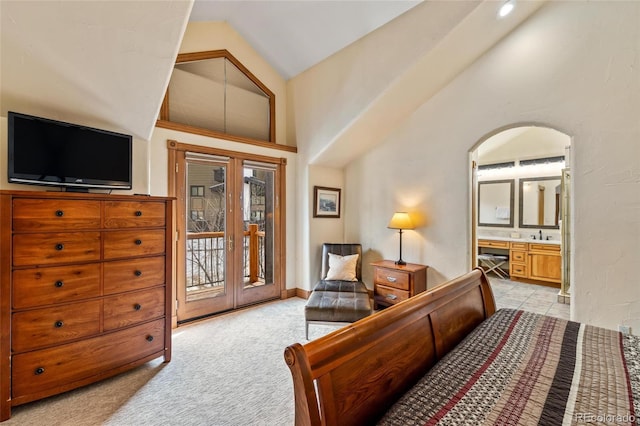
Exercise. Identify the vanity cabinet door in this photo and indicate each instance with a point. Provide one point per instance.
(545, 265)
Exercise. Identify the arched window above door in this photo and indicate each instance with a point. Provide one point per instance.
(212, 93)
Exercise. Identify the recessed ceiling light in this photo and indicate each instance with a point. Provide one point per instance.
(506, 8)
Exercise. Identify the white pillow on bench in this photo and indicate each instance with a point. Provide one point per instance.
(342, 267)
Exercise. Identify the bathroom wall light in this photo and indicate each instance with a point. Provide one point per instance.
(506, 8)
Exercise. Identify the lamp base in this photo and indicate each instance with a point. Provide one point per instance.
(400, 262)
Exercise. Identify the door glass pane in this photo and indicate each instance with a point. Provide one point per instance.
(258, 208)
(206, 225)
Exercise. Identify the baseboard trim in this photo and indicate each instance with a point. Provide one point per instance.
(302, 293)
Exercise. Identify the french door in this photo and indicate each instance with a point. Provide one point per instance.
(229, 231)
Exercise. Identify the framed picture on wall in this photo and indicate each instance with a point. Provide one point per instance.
(326, 202)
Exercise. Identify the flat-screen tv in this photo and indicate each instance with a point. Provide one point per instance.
(55, 153)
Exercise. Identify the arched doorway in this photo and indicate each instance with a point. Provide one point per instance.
(521, 204)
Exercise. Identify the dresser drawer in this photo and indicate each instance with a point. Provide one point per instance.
(132, 214)
(60, 324)
(44, 215)
(119, 244)
(391, 278)
(390, 294)
(47, 369)
(52, 248)
(130, 308)
(126, 275)
(518, 256)
(55, 284)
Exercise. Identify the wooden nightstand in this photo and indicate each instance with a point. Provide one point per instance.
(394, 283)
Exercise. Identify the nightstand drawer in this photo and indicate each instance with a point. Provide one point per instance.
(390, 294)
(390, 278)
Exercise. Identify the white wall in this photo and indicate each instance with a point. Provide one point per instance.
(321, 229)
(573, 66)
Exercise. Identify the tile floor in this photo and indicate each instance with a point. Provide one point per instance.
(528, 297)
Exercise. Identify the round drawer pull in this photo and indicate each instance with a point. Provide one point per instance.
(137, 306)
(59, 246)
(138, 213)
(149, 338)
(38, 371)
(137, 273)
(59, 213)
(392, 296)
(391, 279)
(59, 324)
(138, 242)
(59, 283)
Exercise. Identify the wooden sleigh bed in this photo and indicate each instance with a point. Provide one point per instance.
(509, 367)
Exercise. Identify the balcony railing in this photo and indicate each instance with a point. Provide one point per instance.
(205, 263)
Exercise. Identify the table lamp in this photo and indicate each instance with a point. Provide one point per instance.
(400, 221)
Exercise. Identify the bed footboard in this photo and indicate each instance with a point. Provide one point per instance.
(353, 375)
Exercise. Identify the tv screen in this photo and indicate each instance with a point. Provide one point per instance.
(49, 152)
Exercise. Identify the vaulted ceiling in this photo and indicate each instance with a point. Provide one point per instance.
(295, 35)
(107, 63)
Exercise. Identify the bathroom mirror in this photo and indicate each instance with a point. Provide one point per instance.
(495, 203)
(540, 202)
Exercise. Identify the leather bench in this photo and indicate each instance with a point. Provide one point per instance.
(338, 301)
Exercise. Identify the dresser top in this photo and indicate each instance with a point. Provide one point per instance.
(82, 195)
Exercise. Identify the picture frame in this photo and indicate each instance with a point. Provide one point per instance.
(326, 202)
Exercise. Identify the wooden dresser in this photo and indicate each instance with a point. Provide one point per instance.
(85, 289)
(394, 283)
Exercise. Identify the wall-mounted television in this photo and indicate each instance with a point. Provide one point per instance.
(55, 153)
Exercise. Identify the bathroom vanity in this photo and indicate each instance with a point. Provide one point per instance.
(536, 261)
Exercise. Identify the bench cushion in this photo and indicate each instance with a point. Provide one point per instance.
(342, 286)
(337, 306)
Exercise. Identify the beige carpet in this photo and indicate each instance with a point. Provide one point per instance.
(228, 370)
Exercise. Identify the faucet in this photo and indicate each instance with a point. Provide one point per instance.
(533, 236)
(540, 231)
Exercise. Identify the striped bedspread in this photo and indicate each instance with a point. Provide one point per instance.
(521, 368)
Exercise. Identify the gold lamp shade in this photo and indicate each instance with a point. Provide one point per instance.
(400, 220)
